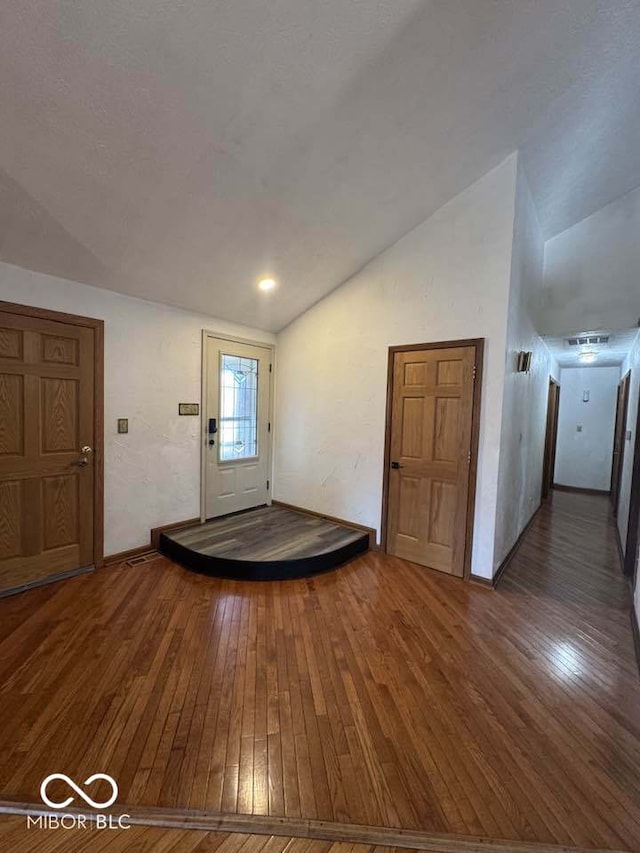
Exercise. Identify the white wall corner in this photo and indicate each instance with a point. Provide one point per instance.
(447, 279)
(524, 395)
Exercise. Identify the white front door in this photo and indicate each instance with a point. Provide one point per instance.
(237, 432)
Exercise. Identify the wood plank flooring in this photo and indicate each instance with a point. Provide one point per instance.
(17, 833)
(264, 535)
(15, 836)
(381, 693)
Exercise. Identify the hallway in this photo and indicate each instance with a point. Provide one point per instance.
(379, 694)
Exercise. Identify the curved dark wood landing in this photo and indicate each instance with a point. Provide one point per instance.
(269, 543)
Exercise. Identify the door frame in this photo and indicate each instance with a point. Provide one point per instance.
(98, 407)
(622, 416)
(478, 344)
(630, 562)
(550, 440)
(221, 336)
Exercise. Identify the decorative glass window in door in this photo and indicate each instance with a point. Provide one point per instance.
(238, 435)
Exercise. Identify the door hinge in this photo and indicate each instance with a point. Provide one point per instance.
(269, 427)
(469, 458)
(474, 372)
(268, 483)
(270, 368)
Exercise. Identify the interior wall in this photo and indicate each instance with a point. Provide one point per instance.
(584, 457)
(447, 279)
(152, 362)
(524, 411)
(589, 262)
(631, 363)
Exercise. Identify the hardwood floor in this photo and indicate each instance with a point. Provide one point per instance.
(380, 693)
(15, 836)
(25, 834)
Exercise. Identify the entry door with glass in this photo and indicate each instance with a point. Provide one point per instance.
(237, 432)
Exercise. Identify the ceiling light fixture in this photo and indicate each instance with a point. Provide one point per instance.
(588, 357)
(267, 284)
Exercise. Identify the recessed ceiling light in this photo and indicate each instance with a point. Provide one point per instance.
(267, 284)
(588, 357)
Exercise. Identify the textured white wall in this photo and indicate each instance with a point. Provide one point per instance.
(632, 363)
(525, 394)
(583, 459)
(586, 263)
(152, 362)
(447, 279)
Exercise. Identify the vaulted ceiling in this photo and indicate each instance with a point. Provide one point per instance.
(178, 150)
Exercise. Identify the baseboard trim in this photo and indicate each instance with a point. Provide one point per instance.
(486, 582)
(368, 530)
(620, 548)
(514, 549)
(59, 576)
(635, 628)
(558, 487)
(282, 827)
(154, 542)
(156, 532)
(125, 556)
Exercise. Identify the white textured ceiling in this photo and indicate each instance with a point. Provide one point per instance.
(610, 354)
(179, 150)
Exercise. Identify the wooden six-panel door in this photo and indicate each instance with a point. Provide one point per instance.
(46, 477)
(432, 405)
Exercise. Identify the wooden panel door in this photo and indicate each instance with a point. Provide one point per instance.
(46, 418)
(430, 456)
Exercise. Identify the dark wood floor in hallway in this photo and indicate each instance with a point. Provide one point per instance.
(380, 693)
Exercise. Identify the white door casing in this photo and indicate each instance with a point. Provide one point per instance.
(237, 382)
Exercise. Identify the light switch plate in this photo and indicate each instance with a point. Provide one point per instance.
(123, 425)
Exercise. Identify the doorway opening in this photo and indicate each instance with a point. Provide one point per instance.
(237, 378)
(51, 437)
(631, 552)
(551, 437)
(431, 450)
(619, 439)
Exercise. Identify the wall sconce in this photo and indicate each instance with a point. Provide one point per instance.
(524, 361)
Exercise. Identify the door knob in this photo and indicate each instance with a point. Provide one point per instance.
(84, 460)
(396, 465)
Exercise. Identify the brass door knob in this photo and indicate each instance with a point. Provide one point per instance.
(84, 458)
